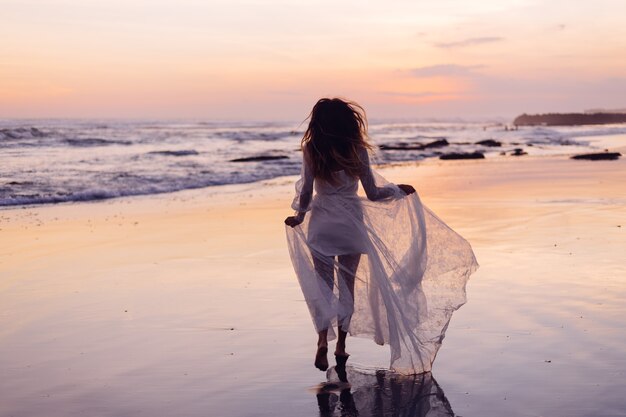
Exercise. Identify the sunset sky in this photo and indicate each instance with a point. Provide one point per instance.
(272, 59)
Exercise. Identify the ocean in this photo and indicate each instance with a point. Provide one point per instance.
(55, 161)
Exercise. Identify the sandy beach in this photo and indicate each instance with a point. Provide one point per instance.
(187, 304)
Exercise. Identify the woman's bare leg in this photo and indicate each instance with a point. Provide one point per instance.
(325, 271)
(340, 349)
(348, 266)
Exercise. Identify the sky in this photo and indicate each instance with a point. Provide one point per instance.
(272, 59)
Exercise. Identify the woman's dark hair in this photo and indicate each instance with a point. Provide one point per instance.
(336, 133)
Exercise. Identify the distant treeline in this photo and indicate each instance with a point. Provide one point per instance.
(569, 119)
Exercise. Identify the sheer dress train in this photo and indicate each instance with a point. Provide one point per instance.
(381, 266)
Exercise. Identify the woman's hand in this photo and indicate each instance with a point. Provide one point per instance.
(408, 189)
(293, 221)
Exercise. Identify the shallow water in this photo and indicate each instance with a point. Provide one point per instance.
(526, 344)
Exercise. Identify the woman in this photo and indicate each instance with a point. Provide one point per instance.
(383, 267)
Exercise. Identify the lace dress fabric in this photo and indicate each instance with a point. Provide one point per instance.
(381, 266)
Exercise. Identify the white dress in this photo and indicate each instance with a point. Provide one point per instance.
(408, 267)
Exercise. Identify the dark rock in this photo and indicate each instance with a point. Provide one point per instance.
(489, 142)
(602, 156)
(440, 143)
(518, 152)
(402, 147)
(472, 155)
(260, 158)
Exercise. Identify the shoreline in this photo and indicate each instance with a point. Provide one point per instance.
(240, 187)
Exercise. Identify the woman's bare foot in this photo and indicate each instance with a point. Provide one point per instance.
(321, 360)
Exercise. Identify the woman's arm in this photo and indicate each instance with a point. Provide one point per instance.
(372, 191)
(305, 190)
(306, 193)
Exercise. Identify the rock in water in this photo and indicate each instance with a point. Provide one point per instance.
(489, 142)
(472, 155)
(260, 158)
(601, 156)
(402, 147)
(440, 143)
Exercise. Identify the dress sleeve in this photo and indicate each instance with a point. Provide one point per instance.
(372, 190)
(304, 189)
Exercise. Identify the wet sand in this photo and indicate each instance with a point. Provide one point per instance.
(186, 303)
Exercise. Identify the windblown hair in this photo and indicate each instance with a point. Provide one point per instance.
(336, 133)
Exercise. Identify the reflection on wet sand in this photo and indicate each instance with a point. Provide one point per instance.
(350, 391)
